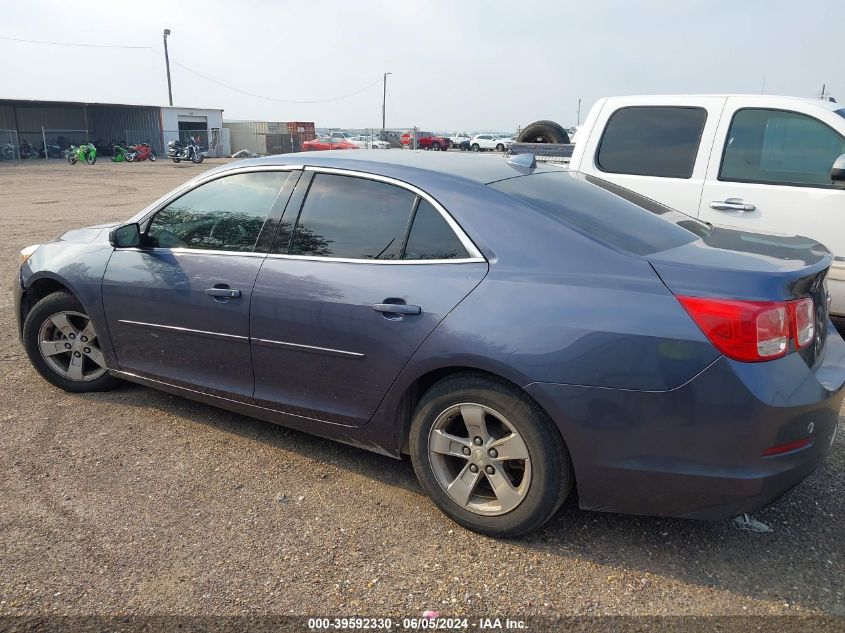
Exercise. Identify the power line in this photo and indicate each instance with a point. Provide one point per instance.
(257, 96)
(17, 39)
(197, 73)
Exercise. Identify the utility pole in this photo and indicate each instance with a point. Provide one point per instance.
(384, 103)
(579, 111)
(167, 63)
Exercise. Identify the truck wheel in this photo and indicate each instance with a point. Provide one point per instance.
(543, 132)
(435, 147)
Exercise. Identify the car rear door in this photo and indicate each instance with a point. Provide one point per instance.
(656, 146)
(178, 306)
(362, 270)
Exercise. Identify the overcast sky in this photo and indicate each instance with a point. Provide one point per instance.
(462, 64)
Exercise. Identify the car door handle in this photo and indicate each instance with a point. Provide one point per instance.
(223, 293)
(396, 308)
(732, 204)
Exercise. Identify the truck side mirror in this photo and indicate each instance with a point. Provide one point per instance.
(837, 173)
(126, 236)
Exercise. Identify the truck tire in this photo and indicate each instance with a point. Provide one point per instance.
(543, 132)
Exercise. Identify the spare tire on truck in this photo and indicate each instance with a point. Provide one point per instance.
(543, 132)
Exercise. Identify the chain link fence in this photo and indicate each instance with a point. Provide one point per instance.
(54, 143)
(9, 146)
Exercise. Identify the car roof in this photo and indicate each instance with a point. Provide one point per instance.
(473, 167)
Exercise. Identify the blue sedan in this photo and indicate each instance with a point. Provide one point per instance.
(518, 330)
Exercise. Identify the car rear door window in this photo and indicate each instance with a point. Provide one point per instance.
(652, 141)
(356, 218)
(431, 237)
(225, 214)
(781, 148)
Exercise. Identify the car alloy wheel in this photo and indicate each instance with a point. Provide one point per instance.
(479, 459)
(68, 344)
(488, 455)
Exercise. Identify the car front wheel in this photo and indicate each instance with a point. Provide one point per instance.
(488, 456)
(63, 345)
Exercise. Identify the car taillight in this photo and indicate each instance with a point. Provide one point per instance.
(803, 316)
(752, 331)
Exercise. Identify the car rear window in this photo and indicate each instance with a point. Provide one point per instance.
(613, 215)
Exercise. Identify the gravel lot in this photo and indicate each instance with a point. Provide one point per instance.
(140, 502)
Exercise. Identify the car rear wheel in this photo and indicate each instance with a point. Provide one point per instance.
(488, 456)
(435, 147)
(500, 148)
(475, 147)
(63, 346)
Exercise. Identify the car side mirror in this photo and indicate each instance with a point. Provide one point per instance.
(837, 173)
(126, 236)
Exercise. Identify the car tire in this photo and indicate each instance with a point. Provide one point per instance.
(475, 147)
(63, 346)
(435, 147)
(500, 148)
(465, 487)
(543, 132)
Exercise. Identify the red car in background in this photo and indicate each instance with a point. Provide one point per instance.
(323, 143)
(427, 140)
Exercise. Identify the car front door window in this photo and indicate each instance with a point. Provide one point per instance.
(225, 214)
(779, 147)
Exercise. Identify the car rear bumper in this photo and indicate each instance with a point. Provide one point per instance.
(697, 451)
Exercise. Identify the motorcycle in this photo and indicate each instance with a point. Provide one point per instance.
(179, 152)
(122, 154)
(52, 151)
(142, 151)
(27, 150)
(86, 152)
(7, 151)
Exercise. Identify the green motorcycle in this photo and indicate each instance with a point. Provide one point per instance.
(122, 154)
(83, 153)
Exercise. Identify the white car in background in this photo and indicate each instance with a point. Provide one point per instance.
(483, 142)
(368, 142)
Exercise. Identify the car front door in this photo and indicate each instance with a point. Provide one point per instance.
(362, 270)
(770, 172)
(177, 307)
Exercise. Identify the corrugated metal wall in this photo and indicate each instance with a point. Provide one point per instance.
(105, 123)
(110, 123)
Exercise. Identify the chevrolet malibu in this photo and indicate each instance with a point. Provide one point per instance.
(520, 331)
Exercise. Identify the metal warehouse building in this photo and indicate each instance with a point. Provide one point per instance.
(62, 123)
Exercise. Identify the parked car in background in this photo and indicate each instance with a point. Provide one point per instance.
(459, 137)
(484, 142)
(464, 145)
(363, 141)
(426, 140)
(753, 162)
(563, 329)
(326, 143)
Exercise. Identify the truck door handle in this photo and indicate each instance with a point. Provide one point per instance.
(732, 204)
(223, 292)
(396, 308)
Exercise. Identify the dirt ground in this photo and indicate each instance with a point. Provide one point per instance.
(140, 502)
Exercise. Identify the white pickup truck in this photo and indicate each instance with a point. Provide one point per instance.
(757, 162)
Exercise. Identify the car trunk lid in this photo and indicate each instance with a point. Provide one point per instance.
(734, 264)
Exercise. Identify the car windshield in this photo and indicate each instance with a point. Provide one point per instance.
(841, 113)
(611, 214)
